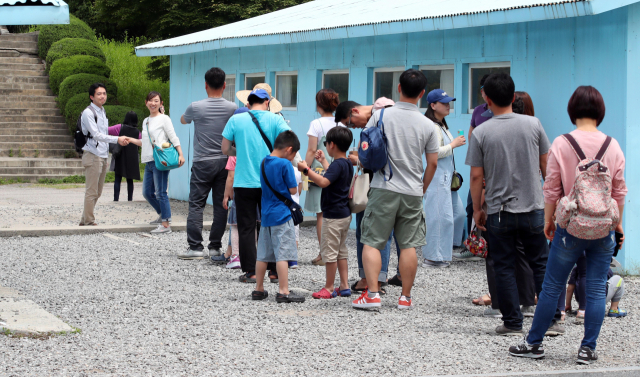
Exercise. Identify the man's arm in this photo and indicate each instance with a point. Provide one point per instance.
(543, 165)
(228, 148)
(477, 176)
(228, 189)
(432, 165)
(183, 121)
(90, 125)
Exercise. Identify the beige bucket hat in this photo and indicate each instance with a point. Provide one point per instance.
(274, 105)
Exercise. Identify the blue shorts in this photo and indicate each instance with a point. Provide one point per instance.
(277, 243)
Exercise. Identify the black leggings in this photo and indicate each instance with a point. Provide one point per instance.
(116, 188)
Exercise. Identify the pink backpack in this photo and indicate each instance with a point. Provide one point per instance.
(589, 212)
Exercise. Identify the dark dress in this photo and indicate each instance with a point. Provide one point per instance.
(127, 163)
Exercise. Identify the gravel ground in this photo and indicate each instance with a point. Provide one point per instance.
(144, 312)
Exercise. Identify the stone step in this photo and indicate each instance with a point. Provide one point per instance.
(9, 54)
(19, 72)
(31, 111)
(25, 79)
(41, 153)
(20, 60)
(35, 177)
(24, 139)
(28, 105)
(21, 162)
(62, 171)
(34, 131)
(22, 66)
(8, 43)
(25, 37)
(38, 125)
(23, 98)
(30, 92)
(33, 118)
(23, 85)
(5, 147)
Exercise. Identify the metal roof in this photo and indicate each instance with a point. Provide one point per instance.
(56, 3)
(33, 12)
(335, 19)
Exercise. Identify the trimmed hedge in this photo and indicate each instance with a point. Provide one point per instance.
(67, 47)
(80, 83)
(49, 34)
(115, 114)
(72, 65)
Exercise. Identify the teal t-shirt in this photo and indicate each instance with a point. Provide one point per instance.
(250, 147)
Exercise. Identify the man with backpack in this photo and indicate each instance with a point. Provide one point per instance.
(93, 137)
(395, 198)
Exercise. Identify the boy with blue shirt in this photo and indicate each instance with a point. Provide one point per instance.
(334, 203)
(277, 241)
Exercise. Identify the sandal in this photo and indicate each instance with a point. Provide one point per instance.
(381, 290)
(273, 276)
(257, 295)
(617, 313)
(342, 293)
(395, 281)
(323, 294)
(482, 300)
(317, 261)
(354, 287)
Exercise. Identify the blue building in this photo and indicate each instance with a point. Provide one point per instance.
(33, 12)
(359, 47)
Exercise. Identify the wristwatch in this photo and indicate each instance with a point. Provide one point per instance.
(305, 171)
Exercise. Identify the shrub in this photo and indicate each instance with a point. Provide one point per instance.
(67, 47)
(72, 65)
(115, 113)
(80, 83)
(49, 34)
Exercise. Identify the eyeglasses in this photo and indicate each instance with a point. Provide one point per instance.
(349, 123)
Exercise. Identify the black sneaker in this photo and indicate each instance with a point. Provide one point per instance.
(526, 350)
(246, 278)
(257, 295)
(586, 355)
(291, 297)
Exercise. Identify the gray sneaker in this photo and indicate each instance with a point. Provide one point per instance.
(528, 311)
(466, 255)
(493, 313)
(191, 254)
(505, 331)
(161, 229)
(157, 221)
(435, 264)
(555, 329)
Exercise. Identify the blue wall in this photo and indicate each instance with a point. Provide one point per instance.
(549, 59)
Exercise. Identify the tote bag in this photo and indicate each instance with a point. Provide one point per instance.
(165, 158)
(359, 191)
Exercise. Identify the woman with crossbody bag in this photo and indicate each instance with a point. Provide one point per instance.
(158, 135)
(439, 198)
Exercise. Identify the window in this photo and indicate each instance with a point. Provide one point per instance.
(251, 79)
(287, 89)
(385, 83)
(438, 77)
(338, 81)
(230, 91)
(476, 72)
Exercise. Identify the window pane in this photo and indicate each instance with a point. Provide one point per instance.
(287, 90)
(476, 76)
(387, 85)
(230, 91)
(338, 82)
(250, 82)
(438, 79)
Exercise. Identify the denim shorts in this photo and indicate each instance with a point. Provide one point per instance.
(277, 243)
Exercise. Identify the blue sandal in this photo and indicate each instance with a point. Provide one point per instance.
(342, 293)
(617, 313)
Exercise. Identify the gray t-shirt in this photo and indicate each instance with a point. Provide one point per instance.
(210, 116)
(409, 135)
(509, 147)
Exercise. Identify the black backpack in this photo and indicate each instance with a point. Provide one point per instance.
(80, 139)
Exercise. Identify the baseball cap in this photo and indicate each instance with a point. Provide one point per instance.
(439, 95)
(260, 93)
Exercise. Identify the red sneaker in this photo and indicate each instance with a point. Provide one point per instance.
(364, 302)
(323, 293)
(403, 303)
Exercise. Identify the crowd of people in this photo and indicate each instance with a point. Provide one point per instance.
(538, 234)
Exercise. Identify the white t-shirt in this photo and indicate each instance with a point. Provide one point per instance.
(161, 130)
(319, 127)
(296, 196)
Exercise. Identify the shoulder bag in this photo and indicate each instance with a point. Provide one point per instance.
(359, 191)
(165, 158)
(456, 179)
(296, 211)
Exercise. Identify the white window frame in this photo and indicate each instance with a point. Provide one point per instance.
(439, 68)
(333, 72)
(236, 85)
(259, 74)
(482, 65)
(285, 73)
(383, 69)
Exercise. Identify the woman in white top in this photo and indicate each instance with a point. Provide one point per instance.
(444, 212)
(327, 101)
(157, 127)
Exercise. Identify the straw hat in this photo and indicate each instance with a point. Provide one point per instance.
(274, 105)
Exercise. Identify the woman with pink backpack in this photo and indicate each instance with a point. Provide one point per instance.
(584, 194)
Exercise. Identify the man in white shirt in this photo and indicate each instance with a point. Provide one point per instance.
(95, 126)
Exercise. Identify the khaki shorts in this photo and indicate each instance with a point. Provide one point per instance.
(333, 243)
(390, 211)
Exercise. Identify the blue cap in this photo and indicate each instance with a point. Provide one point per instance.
(439, 95)
(260, 93)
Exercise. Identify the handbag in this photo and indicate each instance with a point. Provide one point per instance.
(359, 191)
(115, 149)
(296, 211)
(456, 179)
(476, 244)
(165, 158)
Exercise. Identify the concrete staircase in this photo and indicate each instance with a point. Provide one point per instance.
(34, 137)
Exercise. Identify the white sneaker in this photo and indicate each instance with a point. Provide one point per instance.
(191, 254)
(466, 255)
(161, 229)
(157, 221)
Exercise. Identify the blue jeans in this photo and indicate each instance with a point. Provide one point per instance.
(154, 189)
(565, 251)
(384, 253)
(505, 229)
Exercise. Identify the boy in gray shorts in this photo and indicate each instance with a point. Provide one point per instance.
(277, 242)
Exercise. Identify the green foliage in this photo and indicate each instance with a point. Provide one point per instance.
(73, 46)
(128, 71)
(72, 65)
(80, 83)
(159, 68)
(116, 114)
(73, 108)
(49, 34)
(11, 181)
(69, 179)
